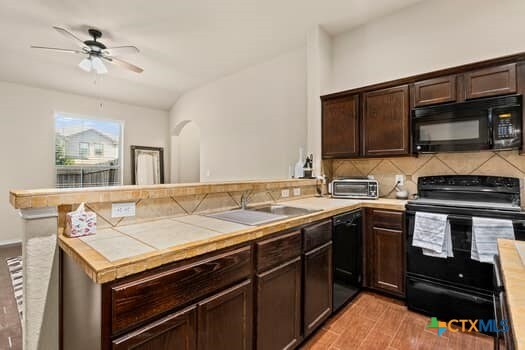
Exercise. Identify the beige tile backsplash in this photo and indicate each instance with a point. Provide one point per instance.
(172, 207)
(505, 163)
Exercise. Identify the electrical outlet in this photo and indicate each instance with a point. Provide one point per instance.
(285, 193)
(400, 180)
(297, 191)
(120, 210)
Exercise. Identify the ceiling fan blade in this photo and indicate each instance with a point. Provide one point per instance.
(56, 49)
(120, 50)
(71, 36)
(124, 64)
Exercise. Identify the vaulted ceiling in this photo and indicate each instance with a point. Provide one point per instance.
(183, 44)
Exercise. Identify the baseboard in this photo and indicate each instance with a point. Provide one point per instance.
(9, 243)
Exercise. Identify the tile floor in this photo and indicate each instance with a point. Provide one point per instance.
(10, 328)
(372, 321)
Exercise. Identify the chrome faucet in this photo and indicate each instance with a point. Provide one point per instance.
(244, 200)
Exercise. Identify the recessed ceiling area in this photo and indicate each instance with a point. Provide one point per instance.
(184, 44)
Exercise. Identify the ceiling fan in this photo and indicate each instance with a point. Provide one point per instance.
(95, 52)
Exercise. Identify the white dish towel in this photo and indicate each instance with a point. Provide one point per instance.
(485, 234)
(432, 234)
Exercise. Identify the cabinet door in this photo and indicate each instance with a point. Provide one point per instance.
(340, 127)
(386, 122)
(279, 307)
(388, 260)
(225, 319)
(433, 91)
(176, 331)
(499, 80)
(317, 287)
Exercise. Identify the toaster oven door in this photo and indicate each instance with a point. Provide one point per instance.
(350, 188)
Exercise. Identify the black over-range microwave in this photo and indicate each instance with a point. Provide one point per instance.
(489, 123)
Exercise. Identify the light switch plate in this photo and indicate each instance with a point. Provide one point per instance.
(120, 210)
(285, 193)
(297, 191)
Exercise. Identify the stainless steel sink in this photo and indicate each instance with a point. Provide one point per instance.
(285, 210)
(261, 215)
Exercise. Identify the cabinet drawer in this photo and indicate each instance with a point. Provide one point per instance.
(139, 300)
(317, 234)
(491, 81)
(274, 251)
(387, 219)
(433, 91)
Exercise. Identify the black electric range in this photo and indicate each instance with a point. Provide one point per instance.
(458, 287)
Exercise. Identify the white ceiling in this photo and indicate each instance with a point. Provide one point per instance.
(183, 43)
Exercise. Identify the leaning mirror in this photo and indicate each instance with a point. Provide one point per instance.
(147, 165)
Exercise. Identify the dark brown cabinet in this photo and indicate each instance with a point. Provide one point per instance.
(385, 253)
(434, 91)
(340, 127)
(386, 122)
(225, 320)
(317, 287)
(176, 331)
(279, 306)
(493, 81)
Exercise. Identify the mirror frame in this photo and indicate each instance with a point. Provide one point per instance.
(133, 161)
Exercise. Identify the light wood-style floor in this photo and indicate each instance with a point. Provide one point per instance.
(372, 321)
(10, 328)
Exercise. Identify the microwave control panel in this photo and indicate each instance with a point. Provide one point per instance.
(505, 128)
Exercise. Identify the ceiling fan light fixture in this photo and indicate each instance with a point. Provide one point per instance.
(98, 65)
(85, 64)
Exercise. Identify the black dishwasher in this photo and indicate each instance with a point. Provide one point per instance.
(347, 257)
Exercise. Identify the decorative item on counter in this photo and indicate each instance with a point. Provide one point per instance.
(401, 194)
(321, 183)
(308, 165)
(299, 165)
(81, 222)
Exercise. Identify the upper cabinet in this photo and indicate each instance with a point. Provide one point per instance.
(498, 80)
(386, 122)
(433, 91)
(341, 127)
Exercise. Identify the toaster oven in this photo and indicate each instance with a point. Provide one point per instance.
(357, 188)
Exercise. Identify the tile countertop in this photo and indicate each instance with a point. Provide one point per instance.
(125, 250)
(513, 270)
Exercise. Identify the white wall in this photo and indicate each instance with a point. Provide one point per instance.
(428, 36)
(27, 139)
(253, 122)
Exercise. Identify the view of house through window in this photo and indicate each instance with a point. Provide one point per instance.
(87, 152)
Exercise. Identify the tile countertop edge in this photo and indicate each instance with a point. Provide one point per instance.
(24, 199)
(101, 270)
(513, 272)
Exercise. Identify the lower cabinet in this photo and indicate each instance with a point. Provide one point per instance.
(176, 331)
(317, 287)
(385, 251)
(279, 306)
(225, 319)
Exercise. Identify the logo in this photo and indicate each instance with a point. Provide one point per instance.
(439, 325)
(487, 326)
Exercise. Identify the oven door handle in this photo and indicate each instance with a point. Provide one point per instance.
(467, 218)
(491, 127)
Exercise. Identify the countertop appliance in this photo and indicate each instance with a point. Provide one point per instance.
(347, 257)
(355, 188)
(489, 123)
(458, 287)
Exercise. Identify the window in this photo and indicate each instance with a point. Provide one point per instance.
(87, 152)
(99, 149)
(83, 150)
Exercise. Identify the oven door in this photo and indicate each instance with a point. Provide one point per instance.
(460, 270)
(350, 189)
(448, 131)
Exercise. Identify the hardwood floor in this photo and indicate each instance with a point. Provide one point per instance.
(10, 328)
(373, 321)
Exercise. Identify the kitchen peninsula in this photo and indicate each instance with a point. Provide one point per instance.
(117, 280)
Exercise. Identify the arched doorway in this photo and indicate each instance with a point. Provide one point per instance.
(185, 151)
